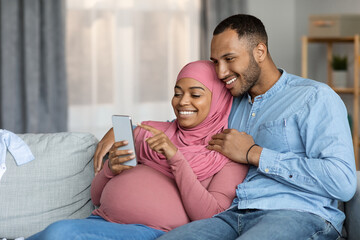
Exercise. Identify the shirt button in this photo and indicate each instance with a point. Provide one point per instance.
(253, 114)
(266, 170)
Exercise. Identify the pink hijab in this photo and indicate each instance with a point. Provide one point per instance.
(192, 142)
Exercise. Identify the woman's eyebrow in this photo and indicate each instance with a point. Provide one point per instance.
(195, 87)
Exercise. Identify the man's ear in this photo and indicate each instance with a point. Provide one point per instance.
(260, 52)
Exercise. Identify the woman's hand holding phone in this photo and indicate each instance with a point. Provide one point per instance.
(102, 149)
(118, 157)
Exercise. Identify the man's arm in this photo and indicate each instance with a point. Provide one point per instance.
(326, 167)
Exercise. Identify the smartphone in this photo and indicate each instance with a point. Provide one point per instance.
(123, 130)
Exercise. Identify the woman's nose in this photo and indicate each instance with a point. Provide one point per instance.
(184, 100)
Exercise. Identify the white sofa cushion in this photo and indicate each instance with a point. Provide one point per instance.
(55, 186)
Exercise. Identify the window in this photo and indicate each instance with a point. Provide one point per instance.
(123, 57)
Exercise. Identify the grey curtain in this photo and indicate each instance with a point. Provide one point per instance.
(212, 13)
(33, 92)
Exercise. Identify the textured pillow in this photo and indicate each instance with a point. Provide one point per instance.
(352, 209)
(54, 186)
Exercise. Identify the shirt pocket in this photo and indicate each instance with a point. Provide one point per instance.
(272, 135)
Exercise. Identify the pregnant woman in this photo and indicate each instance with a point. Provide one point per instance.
(177, 180)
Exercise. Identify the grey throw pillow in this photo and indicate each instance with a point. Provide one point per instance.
(54, 186)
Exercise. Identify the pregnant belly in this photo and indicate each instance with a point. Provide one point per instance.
(143, 195)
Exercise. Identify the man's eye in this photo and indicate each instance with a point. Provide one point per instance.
(229, 59)
(177, 94)
(196, 96)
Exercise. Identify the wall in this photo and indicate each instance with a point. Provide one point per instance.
(278, 17)
(317, 52)
(306, 8)
(286, 22)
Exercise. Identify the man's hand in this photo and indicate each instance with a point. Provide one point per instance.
(102, 149)
(159, 142)
(235, 145)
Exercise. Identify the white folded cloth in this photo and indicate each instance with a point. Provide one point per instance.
(17, 147)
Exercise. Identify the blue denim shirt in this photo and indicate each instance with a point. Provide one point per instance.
(307, 162)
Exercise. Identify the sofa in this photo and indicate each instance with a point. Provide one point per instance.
(56, 185)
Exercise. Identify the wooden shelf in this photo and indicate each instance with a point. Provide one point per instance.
(344, 90)
(350, 39)
(355, 90)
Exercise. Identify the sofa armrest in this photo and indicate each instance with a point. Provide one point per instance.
(352, 211)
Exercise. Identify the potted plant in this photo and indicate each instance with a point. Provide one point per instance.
(339, 66)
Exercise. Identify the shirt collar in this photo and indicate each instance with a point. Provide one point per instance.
(274, 89)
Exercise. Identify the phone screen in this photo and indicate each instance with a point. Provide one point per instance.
(123, 130)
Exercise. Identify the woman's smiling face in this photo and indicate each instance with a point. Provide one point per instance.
(191, 102)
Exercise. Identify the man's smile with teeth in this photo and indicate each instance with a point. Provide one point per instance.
(231, 80)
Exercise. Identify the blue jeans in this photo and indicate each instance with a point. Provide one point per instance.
(256, 225)
(95, 228)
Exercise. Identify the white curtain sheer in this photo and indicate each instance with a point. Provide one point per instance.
(123, 57)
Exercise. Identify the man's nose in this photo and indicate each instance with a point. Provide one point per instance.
(222, 71)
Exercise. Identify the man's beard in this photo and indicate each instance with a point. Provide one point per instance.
(250, 76)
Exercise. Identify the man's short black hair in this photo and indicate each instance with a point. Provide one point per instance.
(246, 26)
